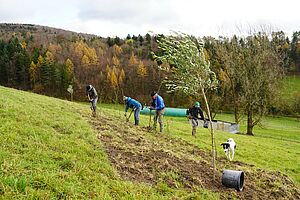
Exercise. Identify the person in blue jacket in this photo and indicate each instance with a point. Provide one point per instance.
(159, 106)
(136, 107)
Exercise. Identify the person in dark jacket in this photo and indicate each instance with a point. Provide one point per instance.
(194, 113)
(136, 107)
(159, 106)
(92, 96)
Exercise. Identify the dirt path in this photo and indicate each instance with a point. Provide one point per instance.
(143, 156)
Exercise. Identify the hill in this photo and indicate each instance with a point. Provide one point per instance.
(9, 29)
(53, 149)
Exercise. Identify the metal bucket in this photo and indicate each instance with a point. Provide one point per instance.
(233, 179)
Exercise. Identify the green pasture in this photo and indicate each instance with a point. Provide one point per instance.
(274, 146)
(49, 151)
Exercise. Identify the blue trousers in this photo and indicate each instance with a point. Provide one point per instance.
(137, 116)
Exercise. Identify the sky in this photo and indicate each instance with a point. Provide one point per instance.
(122, 17)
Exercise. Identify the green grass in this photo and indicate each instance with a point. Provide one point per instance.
(49, 151)
(290, 86)
(275, 146)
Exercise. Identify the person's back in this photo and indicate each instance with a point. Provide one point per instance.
(92, 96)
(132, 103)
(91, 91)
(136, 107)
(158, 102)
(195, 112)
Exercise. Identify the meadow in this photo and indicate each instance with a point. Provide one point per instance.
(50, 149)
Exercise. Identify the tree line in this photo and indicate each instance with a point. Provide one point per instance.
(47, 61)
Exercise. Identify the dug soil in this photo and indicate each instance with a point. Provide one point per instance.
(141, 155)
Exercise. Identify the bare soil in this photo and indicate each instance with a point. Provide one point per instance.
(140, 155)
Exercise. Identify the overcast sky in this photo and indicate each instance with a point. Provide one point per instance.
(122, 17)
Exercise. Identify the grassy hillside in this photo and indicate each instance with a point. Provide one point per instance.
(49, 151)
(53, 149)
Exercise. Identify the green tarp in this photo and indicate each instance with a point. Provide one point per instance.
(176, 112)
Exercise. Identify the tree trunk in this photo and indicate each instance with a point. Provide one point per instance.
(213, 143)
(236, 118)
(250, 123)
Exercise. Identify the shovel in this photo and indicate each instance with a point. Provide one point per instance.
(127, 118)
(149, 127)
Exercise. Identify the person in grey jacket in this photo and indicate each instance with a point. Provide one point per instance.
(93, 97)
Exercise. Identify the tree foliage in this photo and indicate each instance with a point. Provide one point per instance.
(48, 60)
(183, 57)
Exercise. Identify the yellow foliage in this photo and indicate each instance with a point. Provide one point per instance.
(113, 79)
(129, 42)
(91, 53)
(40, 61)
(82, 49)
(108, 73)
(141, 69)
(122, 77)
(132, 60)
(79, 48)
(85, 61)
(24, 45)
(116, 61)
(117, 50)
(70, 66)
(49, 57)
(32, 72)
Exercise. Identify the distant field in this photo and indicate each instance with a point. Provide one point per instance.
(290, 86)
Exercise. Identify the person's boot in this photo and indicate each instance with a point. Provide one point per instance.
(161, 127)
(194, 132)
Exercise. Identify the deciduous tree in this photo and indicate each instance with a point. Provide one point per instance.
(190, 71)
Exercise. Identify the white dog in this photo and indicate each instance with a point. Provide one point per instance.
(229, 148)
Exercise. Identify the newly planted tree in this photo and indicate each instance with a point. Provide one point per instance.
(183, 56)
